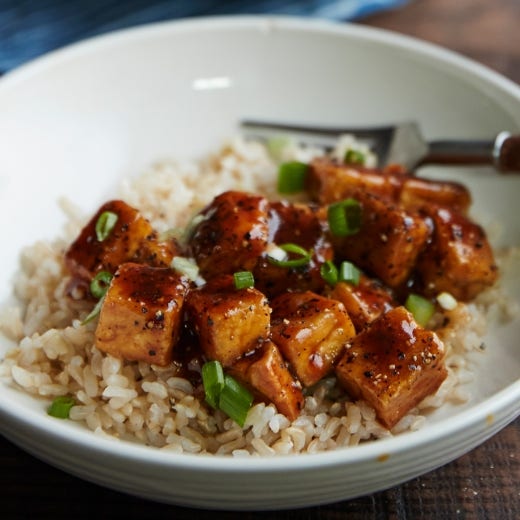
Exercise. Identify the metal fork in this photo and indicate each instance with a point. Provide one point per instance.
(401, 143)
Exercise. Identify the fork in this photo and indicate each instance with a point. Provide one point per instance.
(401, 143)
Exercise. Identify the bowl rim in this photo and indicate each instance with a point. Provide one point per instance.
(261, 23)
(505, 401)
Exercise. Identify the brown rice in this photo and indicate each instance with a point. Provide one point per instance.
(55, 354)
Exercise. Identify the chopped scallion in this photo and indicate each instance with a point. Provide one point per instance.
(185, 266)
(243, 279)
(303, 256)
(105, 224)
(274, 251)
(213, 381)
(329, 272)
(348, 272)
(344, 217)
(291, 177)
(100, 283)
(191, 227)
(235, 400)
(276, 146)
(421, 308)
(446, 301)
(95, 311)
(60, 407)
(225, 393)
(354, 157)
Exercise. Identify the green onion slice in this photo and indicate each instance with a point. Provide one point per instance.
(329, 272)
(243, 279)
(95, 311)
(213, 381)
(291, 177)
(421, 308)
(344, 217)
(105, 224)
(185, 266)
(303, 256)
(276, 146)
(225, 393)
(348, 272)
(60, 407)
(235, 400)
(354, 157)
(100, 283)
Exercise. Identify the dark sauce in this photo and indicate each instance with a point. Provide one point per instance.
(188, 357)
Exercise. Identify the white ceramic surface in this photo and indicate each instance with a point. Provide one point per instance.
(76, 121)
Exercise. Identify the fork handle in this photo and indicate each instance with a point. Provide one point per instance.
(503, 152)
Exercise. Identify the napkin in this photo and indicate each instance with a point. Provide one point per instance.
(29, 28)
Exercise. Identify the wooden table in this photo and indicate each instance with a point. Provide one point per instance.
(482, 484)
(488, 31)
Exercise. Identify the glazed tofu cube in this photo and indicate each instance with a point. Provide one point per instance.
(268, 374)
(393, 365)
(229, 322)
(141, 316)
(363, 302)
(232, 234)
(131, 239)
(311, 331)
(299, 224)
(331, 181)
(417, 192)
(458, 259)
(388, 243)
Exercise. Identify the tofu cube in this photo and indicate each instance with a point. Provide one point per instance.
(393, 365)
(388, 242)
(363, 302)
(141, 316)
(300, 224)
(268, 374)
(458, 258)
(417, 192)
(311, 332)
(132, 239)
(331, 181)
(232, 234)
(229, 322)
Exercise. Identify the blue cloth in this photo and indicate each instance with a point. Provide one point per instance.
(29, 28)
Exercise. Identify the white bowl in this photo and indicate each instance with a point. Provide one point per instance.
(76, 121)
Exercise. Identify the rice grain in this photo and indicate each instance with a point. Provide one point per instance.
(135, 401)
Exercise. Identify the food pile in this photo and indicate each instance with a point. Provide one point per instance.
(261, 299)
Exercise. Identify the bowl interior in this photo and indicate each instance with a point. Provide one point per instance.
(76, 122)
